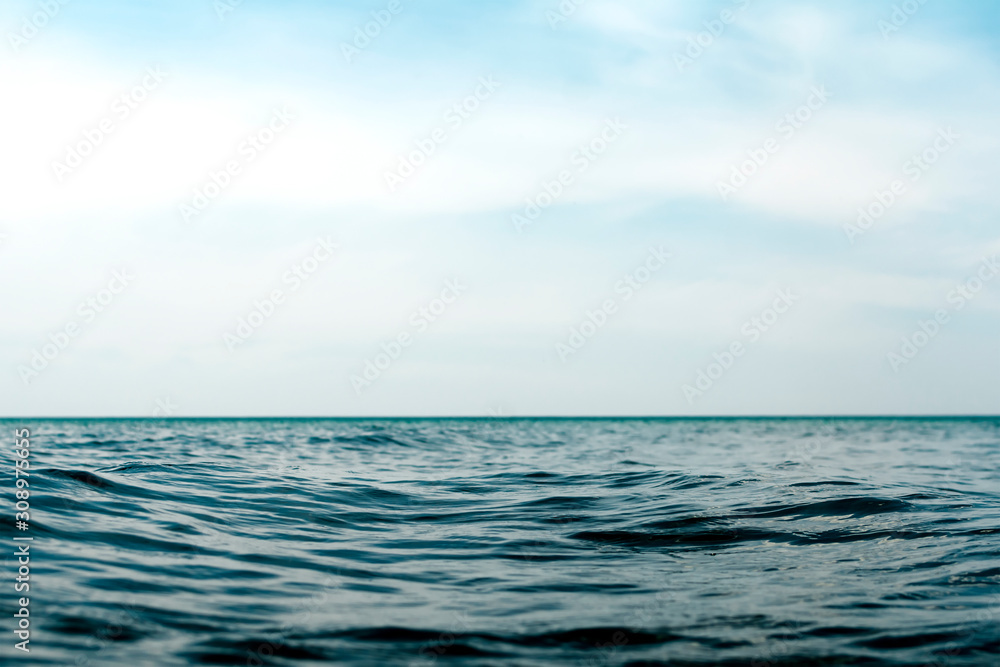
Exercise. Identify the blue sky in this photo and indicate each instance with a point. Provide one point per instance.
(500, 346)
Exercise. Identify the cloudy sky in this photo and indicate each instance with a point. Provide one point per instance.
(501, 207)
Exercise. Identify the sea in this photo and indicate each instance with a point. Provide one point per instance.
(757, 542)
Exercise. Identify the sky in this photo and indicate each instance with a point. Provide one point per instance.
(500, 208)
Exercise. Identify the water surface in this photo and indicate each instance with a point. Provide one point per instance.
(513, 542)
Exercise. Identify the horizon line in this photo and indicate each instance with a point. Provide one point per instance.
(512, 417)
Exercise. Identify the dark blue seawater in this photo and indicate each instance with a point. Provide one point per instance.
(511, 542)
